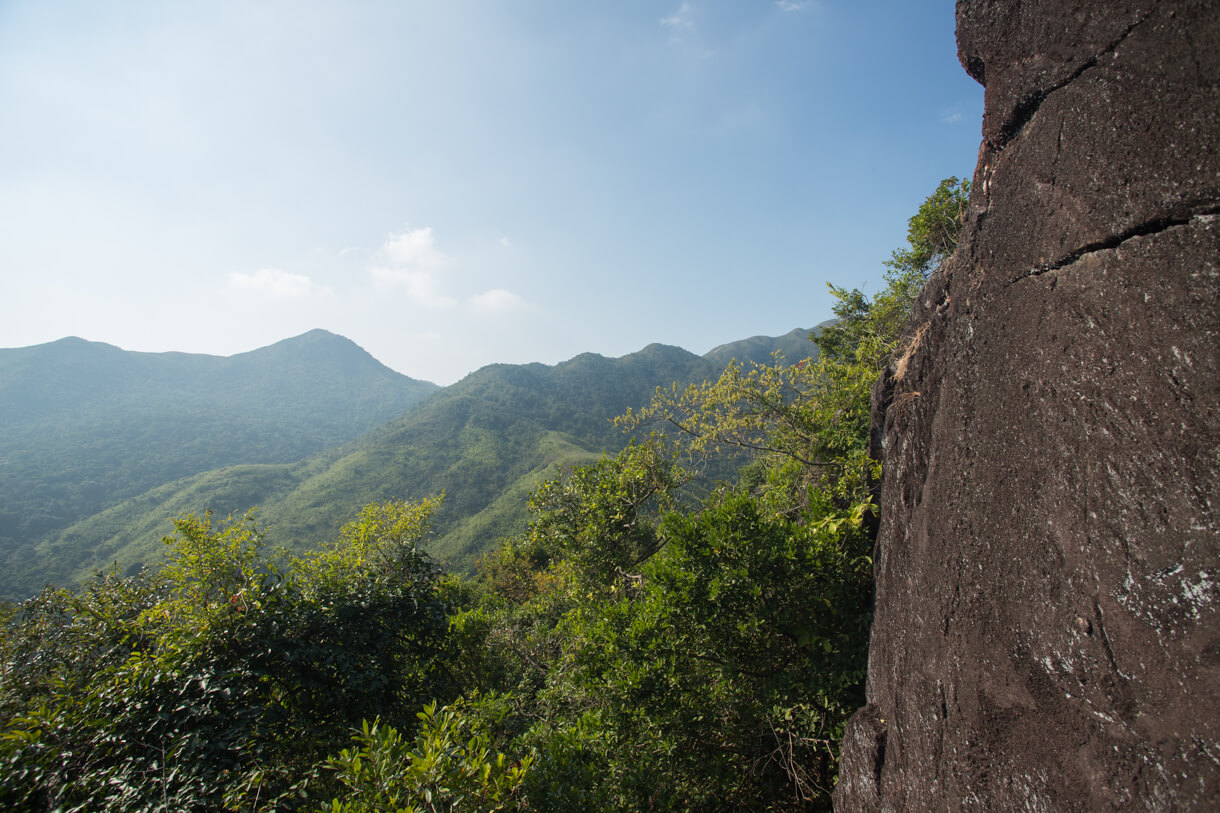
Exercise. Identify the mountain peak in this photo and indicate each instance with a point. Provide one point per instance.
(795, 345)
(318, 334)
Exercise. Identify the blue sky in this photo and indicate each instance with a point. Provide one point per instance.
(451, 184)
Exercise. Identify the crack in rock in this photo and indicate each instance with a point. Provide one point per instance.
(1148, 227)
(1028, 106)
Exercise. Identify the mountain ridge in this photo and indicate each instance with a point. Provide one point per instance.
(493, 434)
(87, 425)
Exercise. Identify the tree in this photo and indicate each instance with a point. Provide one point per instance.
(448, 767)
(225, 678)
(933, 230)
(598, 516)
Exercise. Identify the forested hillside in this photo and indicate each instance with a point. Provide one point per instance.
(87, 425)
(793, 345)
(637, 646)
(485, 442)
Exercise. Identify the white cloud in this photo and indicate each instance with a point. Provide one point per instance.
(496, 300)
(410, 259)
(792, 5)
(413, 247)
(275, 282)
(952, 118)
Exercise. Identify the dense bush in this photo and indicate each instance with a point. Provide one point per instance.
(223, 678)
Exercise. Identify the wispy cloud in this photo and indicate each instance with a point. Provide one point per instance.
(685, 34)
(681, 20)
(422, 287)
(680, 24)
(496, 301)
(411, 260)
(276, 282)
(792, 5)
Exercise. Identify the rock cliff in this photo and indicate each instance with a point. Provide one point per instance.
(1046, 633)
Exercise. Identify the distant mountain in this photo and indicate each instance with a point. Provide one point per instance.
(85, 425)
(795, 345)
(485, 441)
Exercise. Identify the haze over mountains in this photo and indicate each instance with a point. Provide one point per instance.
(99, 447)
(87, 424)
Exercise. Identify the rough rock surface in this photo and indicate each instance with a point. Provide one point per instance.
(1047, 630)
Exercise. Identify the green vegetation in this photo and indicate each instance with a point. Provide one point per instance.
(225, 675)
(647, 642)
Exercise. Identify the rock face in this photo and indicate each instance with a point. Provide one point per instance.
(1047, 630)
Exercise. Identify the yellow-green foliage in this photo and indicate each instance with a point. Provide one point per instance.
(226, 676)
(448, 767)
(384, 540)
